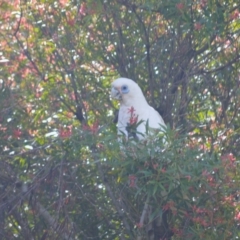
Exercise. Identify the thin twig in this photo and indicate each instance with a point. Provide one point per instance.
(144, 212)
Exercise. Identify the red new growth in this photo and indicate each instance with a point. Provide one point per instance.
(65, 133)
(131, 110)
(155, 166)
(139, 225)
(179, 6)
(228, 158)
(17, 133)
(83, 9)
(133, 118)
(168, 205)
(93, 129)
(163, 170)
(188, 177)
(132, 181)
(235, 15)
(197, 26)
(237, 216)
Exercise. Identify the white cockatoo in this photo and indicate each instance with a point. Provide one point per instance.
(134, 109)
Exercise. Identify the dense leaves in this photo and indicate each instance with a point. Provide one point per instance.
(63, 174)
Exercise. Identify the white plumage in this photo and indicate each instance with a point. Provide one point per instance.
(134, 108)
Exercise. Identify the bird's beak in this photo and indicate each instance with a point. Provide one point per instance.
(115, 93)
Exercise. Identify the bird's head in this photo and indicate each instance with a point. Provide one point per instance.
(126, 91)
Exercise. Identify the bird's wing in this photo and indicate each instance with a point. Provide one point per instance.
(150, 121)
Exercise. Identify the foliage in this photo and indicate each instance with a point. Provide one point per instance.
(63, 175)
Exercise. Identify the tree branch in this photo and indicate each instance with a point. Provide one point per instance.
(50, 220)
(114, 200)
(236, 59)
(149, 60)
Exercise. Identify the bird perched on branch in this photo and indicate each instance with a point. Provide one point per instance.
(135, 111)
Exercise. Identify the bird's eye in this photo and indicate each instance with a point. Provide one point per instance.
(124, 89)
